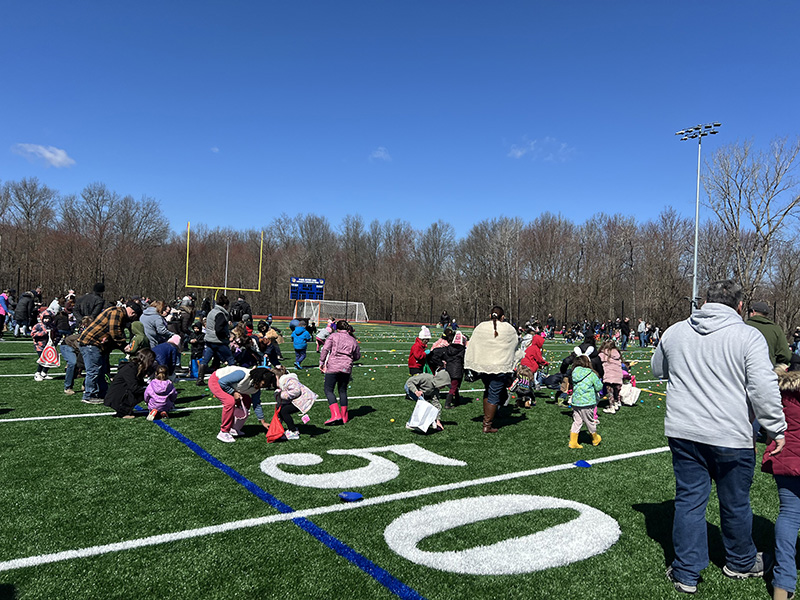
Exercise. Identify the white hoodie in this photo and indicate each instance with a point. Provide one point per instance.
(719, 376)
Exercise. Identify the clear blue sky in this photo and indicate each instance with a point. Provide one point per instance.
(230, 113)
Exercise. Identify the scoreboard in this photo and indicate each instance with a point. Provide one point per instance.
(305, 288)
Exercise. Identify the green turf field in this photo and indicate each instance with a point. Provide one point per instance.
(97, 507)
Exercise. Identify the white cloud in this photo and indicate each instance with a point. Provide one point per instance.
(53, 156)
(214, 149)
(380, 153)
(547, 149)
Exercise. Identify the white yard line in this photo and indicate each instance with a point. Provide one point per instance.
(154, 540)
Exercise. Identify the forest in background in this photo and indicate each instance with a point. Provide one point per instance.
(609, 266)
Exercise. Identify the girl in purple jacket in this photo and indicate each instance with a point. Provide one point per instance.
(336, 359)
(160, 394)
(785, 468)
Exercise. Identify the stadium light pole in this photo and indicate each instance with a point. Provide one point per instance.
(697, 132)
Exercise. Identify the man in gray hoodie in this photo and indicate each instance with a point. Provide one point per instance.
(718, 376)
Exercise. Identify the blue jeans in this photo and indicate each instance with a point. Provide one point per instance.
(97, 367)
(623, 342)
(299, 355)
(642, 340)
(71, 358)
(495, 385)
(221, 351)
(695, 466)
(786, 527)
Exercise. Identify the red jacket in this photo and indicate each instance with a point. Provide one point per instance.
(416, 358)
(788, 461)
(533, 358)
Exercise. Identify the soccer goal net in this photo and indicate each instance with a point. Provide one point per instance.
(321, 310)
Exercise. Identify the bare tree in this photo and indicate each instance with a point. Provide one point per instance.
(753, 193)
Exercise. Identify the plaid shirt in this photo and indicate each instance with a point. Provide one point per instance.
(106, 331)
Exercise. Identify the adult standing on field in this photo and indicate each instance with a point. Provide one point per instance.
(218, 336)
(779, 352)
(336, 360)
(104, 334)
(718, 374)
(492, 354)
(91, 304)
(641, 331)
(155, 324)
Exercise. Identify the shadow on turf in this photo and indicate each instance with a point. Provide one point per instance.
(658, 523)
(8, 592)
(7, 358)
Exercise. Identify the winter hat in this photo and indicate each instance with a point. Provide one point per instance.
(760, 307)
(424, 333)
(99, 288)
(137, 308)
(175, 339)
(458, 338)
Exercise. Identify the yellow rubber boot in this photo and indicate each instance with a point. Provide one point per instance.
(596, 439)
(573, 440)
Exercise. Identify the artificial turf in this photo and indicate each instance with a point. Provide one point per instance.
(75, 482)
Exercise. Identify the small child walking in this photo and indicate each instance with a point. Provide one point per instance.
(612, 375)
(43, 332)
(160, 394)
(585, 385)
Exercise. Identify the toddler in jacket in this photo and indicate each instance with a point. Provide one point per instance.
(160, 394)
(785, 468)
(585, 386)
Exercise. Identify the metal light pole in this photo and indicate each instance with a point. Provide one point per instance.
(690, 133)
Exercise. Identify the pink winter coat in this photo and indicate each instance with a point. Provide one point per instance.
(612, 366)
(339, 352)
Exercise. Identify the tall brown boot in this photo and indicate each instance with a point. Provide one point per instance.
(449, 402)
(201, 376)
(489, 411)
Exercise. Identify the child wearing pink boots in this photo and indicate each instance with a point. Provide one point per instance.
(160, 394)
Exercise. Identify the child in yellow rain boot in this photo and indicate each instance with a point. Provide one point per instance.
(585, 386)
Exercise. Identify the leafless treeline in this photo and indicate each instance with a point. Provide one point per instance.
(606, 267)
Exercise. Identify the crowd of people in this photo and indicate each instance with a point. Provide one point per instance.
(728, 380)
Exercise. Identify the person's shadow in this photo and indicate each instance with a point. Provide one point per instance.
(658, 520)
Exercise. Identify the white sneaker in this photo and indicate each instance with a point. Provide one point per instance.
(235, 433)
(38, 377)
(292, 435)
(610, 410)
(226, 437)
(48, 376)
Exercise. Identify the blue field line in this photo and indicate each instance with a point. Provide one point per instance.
(382, 576)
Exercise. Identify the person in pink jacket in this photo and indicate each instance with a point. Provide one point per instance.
(336, 359)
(612, 375)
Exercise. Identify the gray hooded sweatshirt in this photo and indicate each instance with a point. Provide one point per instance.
(719, 375)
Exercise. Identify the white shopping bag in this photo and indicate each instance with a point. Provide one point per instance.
(629, 395)
(423, 417)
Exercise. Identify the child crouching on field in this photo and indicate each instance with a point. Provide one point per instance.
(160, 394)
(426, 387)
(585, 386)
(291, 397)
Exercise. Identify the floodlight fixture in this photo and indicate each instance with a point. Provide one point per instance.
(697, 132)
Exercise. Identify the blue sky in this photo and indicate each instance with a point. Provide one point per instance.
(230, 113)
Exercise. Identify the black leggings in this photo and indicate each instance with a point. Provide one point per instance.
(285, 415)
(340, 380)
